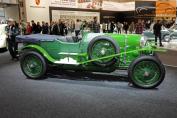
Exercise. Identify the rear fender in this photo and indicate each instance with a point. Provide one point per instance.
(40, 50)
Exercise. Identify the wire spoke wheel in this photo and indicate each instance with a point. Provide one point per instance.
(33, 65)
(146, 72)
(100, 47)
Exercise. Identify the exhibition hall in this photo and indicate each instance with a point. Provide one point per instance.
(88, 58)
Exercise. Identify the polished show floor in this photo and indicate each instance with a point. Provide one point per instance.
(75, 95)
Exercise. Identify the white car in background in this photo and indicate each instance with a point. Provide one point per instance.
(3, 37)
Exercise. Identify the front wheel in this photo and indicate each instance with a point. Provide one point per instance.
(33, 65)
(146, 72)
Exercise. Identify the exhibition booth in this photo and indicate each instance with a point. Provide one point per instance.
(52, 10)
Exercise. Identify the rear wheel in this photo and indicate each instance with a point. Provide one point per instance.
(33, 65)
(146, 72)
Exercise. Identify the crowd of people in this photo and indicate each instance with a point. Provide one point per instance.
(133, 27)
(61, 28)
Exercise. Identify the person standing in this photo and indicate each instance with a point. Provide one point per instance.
(22, 27)
(157, 32)
(104, 27)
(39, 28)
(112, 27)
(52, 24)
(43, 25)
(56, 29)
(119, 28)
(126, 27)
(13, 31)
(45, 28)
(95, 26)
(109, 27)
(131, 27)
(77, 27)
(66, 27)
(28, 29)
(139, 27)
(85, 25)
(62, 28)
(59, 28)
(34, 27)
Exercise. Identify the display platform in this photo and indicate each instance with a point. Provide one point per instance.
(169, 57)
(69, 95)
(172, 45)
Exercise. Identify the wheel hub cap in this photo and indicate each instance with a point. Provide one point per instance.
(103, 48)
(103, 51)
(146, 74)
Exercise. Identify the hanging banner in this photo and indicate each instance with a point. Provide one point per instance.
(83, 4)
(114, 5)
(89, 4)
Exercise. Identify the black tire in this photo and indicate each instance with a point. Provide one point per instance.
(109, 39)
(27, 53)
(156, 62)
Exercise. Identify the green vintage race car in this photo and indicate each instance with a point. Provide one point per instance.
(95, 52)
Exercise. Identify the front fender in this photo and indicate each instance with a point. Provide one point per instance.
(41, 50)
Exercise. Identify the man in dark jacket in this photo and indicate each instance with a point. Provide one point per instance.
(12, 31)
(95, 26)
(43, 25)
(112, 27)
(58, 28)
(51, 28)
(34, 27)
(38, 28)
(157, 32)
(126, 27)
(45, 28)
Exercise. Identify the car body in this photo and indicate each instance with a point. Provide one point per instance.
(95, 52)
(172, 36)
(3, 36)
(164, 34)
